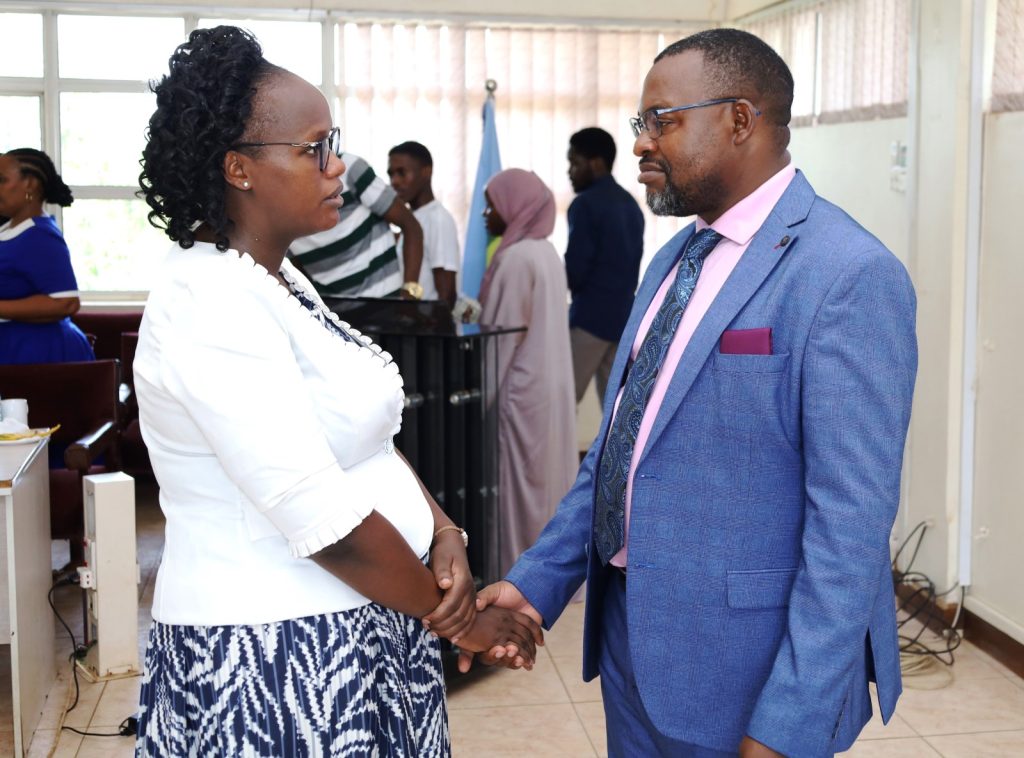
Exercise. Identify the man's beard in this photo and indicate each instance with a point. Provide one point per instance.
(668, 202)
(699, 194)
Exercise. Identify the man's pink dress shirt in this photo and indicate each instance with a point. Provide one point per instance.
(737, 227)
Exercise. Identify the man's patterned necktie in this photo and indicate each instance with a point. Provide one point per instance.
(618, 449)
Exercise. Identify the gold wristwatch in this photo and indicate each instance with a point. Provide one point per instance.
(413, 290)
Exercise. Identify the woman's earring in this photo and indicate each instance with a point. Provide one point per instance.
(245, 184)
(28, 196)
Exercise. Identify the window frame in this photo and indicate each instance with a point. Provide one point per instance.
(51, 86)
(19, 87)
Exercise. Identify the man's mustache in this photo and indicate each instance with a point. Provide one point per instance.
(661, 164)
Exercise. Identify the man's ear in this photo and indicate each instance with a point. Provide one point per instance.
(236, 170)
(744, 121)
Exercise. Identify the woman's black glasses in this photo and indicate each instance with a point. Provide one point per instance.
(329, 144)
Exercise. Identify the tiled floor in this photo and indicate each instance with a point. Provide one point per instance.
(974, 710)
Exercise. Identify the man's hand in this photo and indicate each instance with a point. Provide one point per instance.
(504, 595)
(457, 611)
(751, 748)
(497, 628)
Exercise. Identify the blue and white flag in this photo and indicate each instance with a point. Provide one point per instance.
(474, 256)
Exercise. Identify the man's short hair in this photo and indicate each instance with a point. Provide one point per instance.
(739, 64)
(594, 142)
(414, 150)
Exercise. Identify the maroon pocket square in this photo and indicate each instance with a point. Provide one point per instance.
(746, 342)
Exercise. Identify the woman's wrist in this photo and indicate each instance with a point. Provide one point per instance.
(450, 531)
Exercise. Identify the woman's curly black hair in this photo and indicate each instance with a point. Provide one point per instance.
(38, 164)
(202, 108)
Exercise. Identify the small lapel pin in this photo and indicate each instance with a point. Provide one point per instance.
(783, 242)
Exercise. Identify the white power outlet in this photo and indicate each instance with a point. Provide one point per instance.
(86, 579)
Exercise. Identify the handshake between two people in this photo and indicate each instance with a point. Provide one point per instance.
(499, 623)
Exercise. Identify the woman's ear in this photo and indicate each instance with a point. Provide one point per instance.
(33, 187)
(236, 171)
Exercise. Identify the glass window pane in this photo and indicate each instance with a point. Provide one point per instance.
(113, 246)
(294, 45)
(19, 126)
(102, 136)
(21, 53)
(117, 47)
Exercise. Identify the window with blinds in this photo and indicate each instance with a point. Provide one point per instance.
(849, 58)
(425, 82)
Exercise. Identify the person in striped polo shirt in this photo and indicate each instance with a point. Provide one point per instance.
(358, 256)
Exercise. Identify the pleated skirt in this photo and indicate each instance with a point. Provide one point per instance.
(364, 682)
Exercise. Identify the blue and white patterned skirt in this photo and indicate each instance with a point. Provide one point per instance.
(364, 682)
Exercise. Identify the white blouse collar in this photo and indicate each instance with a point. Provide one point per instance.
(261, 278)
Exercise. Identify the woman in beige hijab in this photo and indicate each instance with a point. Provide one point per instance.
(525, 286)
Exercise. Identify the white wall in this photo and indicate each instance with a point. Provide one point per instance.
(937, 264)
(849, 165)
(998, 527)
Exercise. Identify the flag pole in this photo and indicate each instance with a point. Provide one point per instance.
(474, 260)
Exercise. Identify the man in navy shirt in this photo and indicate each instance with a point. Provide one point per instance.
(602, 260)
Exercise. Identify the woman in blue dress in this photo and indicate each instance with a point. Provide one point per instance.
(38, 291)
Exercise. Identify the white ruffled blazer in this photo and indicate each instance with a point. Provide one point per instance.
(270, 437)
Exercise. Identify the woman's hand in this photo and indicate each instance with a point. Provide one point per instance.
(499, 627)
(457, 611)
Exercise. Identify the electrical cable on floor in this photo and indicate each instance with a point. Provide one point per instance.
(76, 651)
(917, 656)
(128, 727)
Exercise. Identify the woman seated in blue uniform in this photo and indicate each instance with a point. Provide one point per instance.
(38, 291)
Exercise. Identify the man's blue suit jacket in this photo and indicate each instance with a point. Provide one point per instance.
(759, 593)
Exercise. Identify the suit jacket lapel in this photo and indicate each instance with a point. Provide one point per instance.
(761, 257)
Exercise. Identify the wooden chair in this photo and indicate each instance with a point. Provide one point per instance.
(104, 329)
(83, 398)
(115, 334)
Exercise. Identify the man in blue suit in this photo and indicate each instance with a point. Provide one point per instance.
(732, 518)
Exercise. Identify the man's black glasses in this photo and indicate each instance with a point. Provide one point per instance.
(650, 121)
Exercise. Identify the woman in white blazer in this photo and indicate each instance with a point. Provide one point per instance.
(292, 597)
